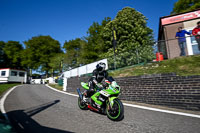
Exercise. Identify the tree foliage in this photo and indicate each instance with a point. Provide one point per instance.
(73, 52)
(185, 5)
(39, 50)
(56, 62)
(134, 41)
(2, 55)
(95, 37)
(10, 54)
(134, 38)
(94, 44)
(134, 44)
(88, 49)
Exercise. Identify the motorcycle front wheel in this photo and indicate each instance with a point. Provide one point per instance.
(116, 113)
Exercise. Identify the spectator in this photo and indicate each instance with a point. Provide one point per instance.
(196, 33)
(180, 35)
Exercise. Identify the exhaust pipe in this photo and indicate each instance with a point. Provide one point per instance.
(79, 93)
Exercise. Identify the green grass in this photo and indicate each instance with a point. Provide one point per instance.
(5, 87)
(183, 66)
(56, 86)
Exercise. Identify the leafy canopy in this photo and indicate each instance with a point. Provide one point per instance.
(73, 52)
(95, 45)
(11, 53)
(185, 5)
(134, 38)
(39, 50)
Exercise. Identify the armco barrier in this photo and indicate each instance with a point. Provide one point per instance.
(170, 90)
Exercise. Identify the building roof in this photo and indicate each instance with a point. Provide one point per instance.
(12, 69)
(160, 30)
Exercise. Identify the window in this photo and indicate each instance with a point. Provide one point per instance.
(13, 73)
(193, 40)
(21, 74)
(3, 73)
(194, 45)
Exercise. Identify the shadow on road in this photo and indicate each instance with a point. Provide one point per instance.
(23, 123)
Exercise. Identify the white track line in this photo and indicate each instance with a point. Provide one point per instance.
(139, 106)
(162, 110)
(3, 100)
(62, 91)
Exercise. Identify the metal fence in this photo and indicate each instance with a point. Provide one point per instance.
(169, 48)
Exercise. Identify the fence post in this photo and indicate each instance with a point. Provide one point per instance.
(65, 84)
(138, 60)
(86, 69)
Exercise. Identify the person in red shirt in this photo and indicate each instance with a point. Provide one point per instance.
(196, 33)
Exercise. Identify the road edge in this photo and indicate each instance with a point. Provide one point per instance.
(138, 106)
(2, 101)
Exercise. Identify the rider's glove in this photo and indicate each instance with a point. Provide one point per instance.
(100, 86)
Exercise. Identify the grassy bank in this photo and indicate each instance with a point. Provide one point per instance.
(5, 87)
(56, 86)
(184, 66)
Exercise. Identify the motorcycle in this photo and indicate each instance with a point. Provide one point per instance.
(104, 100)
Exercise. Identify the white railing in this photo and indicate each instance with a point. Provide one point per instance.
(84, 69)
(81, 71)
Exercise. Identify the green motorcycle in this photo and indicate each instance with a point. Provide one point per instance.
(103, 100)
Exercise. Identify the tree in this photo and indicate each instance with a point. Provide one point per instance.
(95, 43)
(134, 38)
(39, 51)
(81, 51)
(95, 38)
(56, 62)
(73, 52)
(12, 53)
(185, 5)
(2, 55)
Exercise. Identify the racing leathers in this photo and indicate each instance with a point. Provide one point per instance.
(95, 80)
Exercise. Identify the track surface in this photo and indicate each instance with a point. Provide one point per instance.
(38, 109)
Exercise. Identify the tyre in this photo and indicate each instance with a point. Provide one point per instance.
(116, 113)
(81, 104)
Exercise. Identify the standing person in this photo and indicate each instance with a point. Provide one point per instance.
(196, 33)
(180, 35)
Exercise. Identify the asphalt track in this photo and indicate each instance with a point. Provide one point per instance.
(38, 109)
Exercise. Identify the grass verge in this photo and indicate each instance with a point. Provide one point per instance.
(56, 86)
(5, 87)
(183, 66)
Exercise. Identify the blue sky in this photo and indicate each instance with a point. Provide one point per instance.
(68, 19)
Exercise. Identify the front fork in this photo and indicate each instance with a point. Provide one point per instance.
(80, 94)
(111, 102)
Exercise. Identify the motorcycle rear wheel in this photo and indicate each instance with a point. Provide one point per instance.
(81, 104)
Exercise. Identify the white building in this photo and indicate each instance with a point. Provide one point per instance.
(12, 75)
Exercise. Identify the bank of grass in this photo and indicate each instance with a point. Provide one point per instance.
(5, 87)
(56, 86)
(183, 66)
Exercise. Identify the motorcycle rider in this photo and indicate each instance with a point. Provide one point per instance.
(97, 77)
